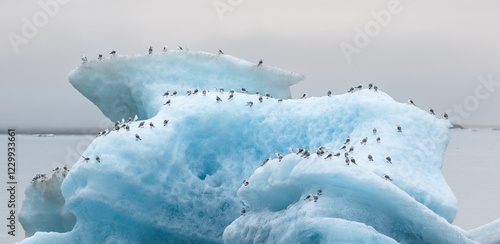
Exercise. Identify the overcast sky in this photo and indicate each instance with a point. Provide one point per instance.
(436, 52)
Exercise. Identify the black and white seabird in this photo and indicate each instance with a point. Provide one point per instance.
(141, 125)
(370, 86)
(260, 62)
(168, 102)
(165, 122)
(300, 150)
(150, 50)
(221, 90)
(127, 128)
(221, 52)
(375, 88)
(364, 140)
(137, 137)
(353, 161)
(151, 125)
(180, 48)
(389, 159)
(445, 115)
(347, 140)
(304, 96)
(174, 93)
(260, 99)
(265, 161)
(347, 161)
(98, 159)
(378, 139)
(84, 59)
(306, 154)
(329, 93)
(195, 91)
(399, 129)
(165, 48)
(243, 211)
(250, 103)
(431, 111)
(245, 182)
(243, 89)
(231, 91)
(329, 155)
(359, 86)
(188, 92)
(308, 197)
(387, 177)
(280, 157)
(86, 159)
(218, 99)
(315, 198)
(280, 100)
(231, 96)
(411, 102)
(291, 150)
(113, 52)
(100, 56)
(370, 157)
(336, 154)
(268, 95)
(346, 154)
(351, 89)
(320, 191)
(204, 92)
(343, 147)
(351, 149)
(374, 131)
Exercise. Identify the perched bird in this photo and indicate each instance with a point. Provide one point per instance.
(180, 48)
(243, 211)
(304, 96)
(445, 115)
(399, 129)
(243, 89)
(141, 125)
(336, 154)
(370, 86)
(375, 88)
(387, 177)
(370, 157)
(300, 150)
(431, 111)
(343, 147)
(250, 103)
(204, 92)
(347, 161)
(351, 149)
(113, 52)
(188, 92)
(411, 102)
(374, 131)
(86, 159)
(218, 99)
(265, 161)
(97, 159)
(308, 197)
(306, 154)
(231, 91)
(150, 49)
(257, 92)
(231, 96)
(329, 155)
(359, 87)
(260, 62)
(389, 159)
(353, 161)
(195, 91)
(137, 137)
(174, 93)
(364, 140)
(221, 52)
(221, 90)
(151, 125)
(260, 99)
(320, 191)
(165, 122)
(168, 102)
(351, 89)
(329, 93)
(127, 128)
(280, 100)
(166, 94)
(346, 154)
(165, 48)
(268, 95)
(100, 56)
(84, 59)
(280, 157)
(315, 198)
(347, 140)
(290, 150)
(245, 182)
(378, 139)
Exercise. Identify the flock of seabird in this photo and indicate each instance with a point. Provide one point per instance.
(150, 51)
(43, 177)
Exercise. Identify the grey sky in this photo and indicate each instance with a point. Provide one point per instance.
(430, 51)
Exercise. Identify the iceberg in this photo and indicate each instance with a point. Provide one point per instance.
(175, 175)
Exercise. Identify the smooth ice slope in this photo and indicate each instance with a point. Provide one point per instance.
(179, 183)
(43, 208)
(487, 234)
(125, 86)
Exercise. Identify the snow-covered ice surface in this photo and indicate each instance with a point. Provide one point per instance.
(487, 234)
(182, 182)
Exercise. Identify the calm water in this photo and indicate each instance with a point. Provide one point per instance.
(471, 167)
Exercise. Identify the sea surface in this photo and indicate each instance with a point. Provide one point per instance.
(471, 168)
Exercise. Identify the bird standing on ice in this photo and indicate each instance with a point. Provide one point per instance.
(308, 197)
(260, 62)
(137, 137)
(243, 211)
(150, 50)
(399, 129)
(304, 96)
(84, 59)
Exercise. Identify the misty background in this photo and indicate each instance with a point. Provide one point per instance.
(436, 53)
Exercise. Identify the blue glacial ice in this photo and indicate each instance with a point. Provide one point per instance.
(182, 182)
